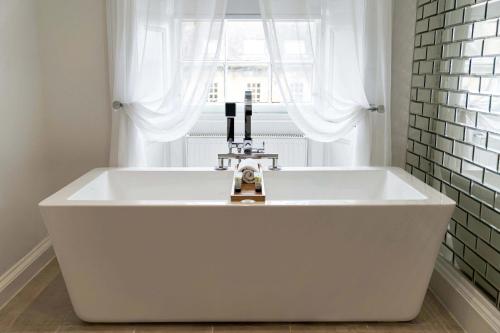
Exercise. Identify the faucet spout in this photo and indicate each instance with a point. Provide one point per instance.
(230, 115)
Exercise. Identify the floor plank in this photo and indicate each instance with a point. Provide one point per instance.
(43, 306)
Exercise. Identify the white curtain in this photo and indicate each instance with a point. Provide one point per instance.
(340, 51)
(162, 60)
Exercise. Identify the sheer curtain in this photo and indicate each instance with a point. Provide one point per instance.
(340, 49)
(162, 60)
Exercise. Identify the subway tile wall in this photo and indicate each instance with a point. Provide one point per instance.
(454, 132)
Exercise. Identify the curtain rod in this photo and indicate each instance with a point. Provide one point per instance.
(117, 105)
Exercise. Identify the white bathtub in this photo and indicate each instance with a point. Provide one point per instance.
(165, 245)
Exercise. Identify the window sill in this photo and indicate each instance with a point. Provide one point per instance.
(267, 119)
(260, 108)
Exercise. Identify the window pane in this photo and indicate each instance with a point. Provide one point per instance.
(297, 40)
(247, 77)
(299, 78)
(151, 83)
(245, 63)
(276, 92)
(216, 89)
(192, 49)
(245, 40)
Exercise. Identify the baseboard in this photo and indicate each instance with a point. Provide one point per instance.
(473, 311)
(12, 281)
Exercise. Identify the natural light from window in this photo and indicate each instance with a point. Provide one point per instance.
(244, 64)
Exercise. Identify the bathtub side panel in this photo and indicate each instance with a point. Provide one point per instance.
(228, 263)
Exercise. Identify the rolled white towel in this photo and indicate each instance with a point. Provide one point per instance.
(248, 168)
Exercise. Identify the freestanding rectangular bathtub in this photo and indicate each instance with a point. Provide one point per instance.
(166, 245)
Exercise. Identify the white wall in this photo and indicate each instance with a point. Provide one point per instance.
(403, 29)
(23, 164)
(54, 109)
(75, 80)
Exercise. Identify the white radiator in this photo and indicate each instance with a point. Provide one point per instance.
(202, 150)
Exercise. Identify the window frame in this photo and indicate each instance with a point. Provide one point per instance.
(269, 108)
(225, 64)
(258, 108)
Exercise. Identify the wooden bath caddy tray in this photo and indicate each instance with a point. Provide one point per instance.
(248, 191)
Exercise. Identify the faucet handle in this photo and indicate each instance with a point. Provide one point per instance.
(230, 110)
(260, 149)
(230, 115)
(248, 103)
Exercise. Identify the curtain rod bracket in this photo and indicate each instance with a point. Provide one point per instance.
(117, 105)
(376, 108)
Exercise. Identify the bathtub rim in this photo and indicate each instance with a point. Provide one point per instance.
(61, 198)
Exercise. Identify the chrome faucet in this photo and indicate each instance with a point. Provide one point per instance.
(249, 151)
(230, 115)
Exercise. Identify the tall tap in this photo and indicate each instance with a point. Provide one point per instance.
(230, 115)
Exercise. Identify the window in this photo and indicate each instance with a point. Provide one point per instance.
(244, 64)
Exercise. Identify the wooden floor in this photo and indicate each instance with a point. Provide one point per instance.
(43, 306)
